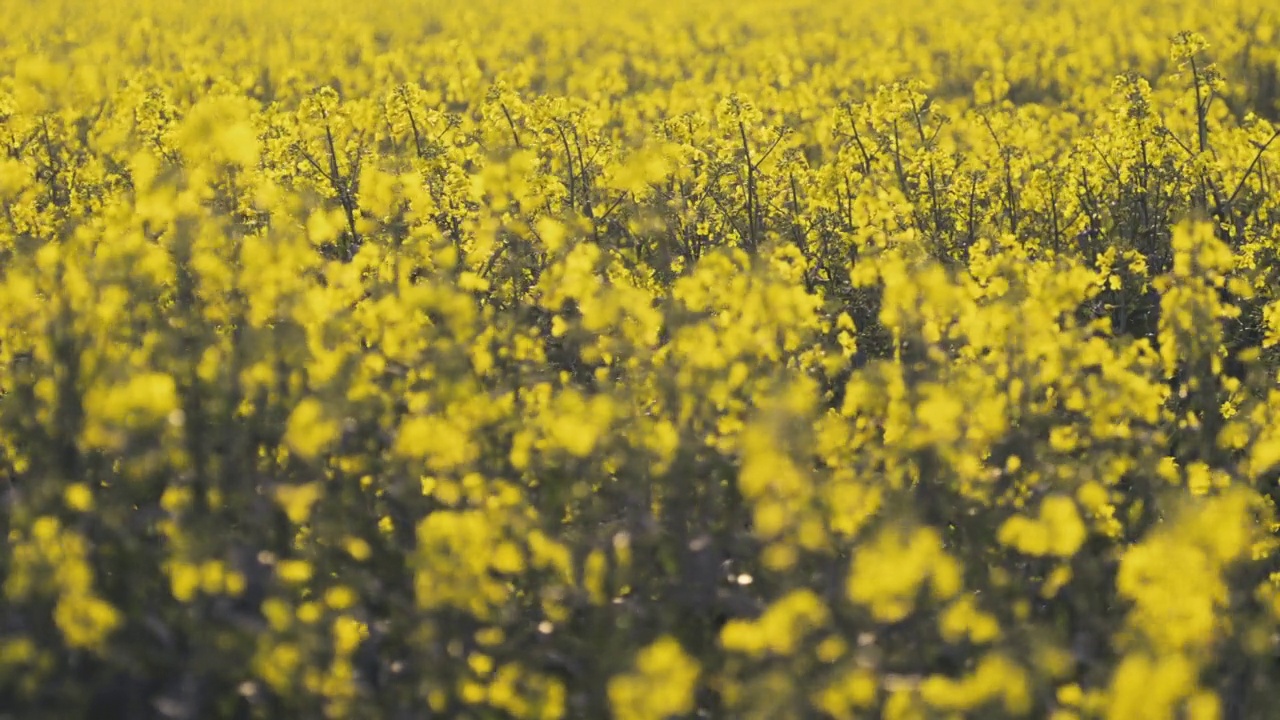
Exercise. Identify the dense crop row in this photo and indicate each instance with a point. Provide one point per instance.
(590, 359)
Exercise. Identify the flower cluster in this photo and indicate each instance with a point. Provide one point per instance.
(580, 359)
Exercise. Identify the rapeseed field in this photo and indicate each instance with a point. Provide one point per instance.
(629, 359)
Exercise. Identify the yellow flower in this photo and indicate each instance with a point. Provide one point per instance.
(340, 597)
(297, 500)
(660, 685)
(85, 621)
(78, 497)
(1057, 531)
(294, 572)
(309, 430)
(888, 572)
(144, 401)
(347, 634)
(358, 548)
(184, 580)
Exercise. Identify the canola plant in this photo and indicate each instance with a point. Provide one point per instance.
(586, 359)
